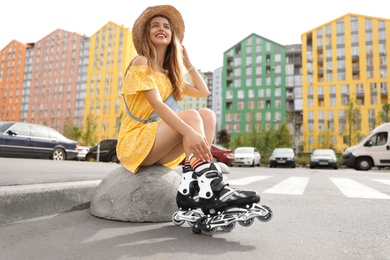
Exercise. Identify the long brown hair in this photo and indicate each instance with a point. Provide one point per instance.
(173, 60)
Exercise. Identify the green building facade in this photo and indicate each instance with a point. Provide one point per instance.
(253, 85)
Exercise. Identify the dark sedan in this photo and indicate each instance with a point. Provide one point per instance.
(25, 140)
(105, 151)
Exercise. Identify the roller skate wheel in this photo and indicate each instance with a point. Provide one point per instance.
(209, 232)
(228, 227)
(176, 220)
(247, 222)
(266, 217)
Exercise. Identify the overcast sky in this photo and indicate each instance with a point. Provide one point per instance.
(212, 26)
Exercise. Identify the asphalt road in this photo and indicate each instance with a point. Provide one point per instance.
(318, 214)
(15, 171)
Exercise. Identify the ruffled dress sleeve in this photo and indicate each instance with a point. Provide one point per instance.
(137, 79)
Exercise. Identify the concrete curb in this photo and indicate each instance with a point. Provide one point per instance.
(24, 202)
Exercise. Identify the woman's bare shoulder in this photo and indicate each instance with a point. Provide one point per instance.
(139, 60)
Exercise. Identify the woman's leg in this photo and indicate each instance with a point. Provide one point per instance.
(168, 143)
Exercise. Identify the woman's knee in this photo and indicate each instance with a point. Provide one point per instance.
(190, 115)
(207, 115)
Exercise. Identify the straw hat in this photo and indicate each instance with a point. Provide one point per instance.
(173, 15)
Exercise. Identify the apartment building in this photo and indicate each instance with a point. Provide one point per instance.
(253, 85)
(12, 63)
(344, 62)
(50, 77)
(110, 51)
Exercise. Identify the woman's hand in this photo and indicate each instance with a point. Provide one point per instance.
(186, 59)
(198, 146)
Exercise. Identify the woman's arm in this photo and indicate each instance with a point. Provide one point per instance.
(196, 143)
(199, 88)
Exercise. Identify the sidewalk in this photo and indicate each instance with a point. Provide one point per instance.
(36, 188)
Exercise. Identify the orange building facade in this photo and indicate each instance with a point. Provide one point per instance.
(12, 65)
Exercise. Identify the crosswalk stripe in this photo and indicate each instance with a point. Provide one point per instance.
(292, 185)
(383, 181)
(353, 189)
(247, 180)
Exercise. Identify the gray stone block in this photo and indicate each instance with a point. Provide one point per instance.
(148, 196)
(224, 167)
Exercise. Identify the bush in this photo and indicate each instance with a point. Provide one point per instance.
(302, 159)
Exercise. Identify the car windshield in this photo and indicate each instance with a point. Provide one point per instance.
(283, 151)
(244, 150)
(323, 152)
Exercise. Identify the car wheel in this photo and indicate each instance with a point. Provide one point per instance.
(89, 158)
(253, 163)
(58, 154)
(114, 158)
(363, 164)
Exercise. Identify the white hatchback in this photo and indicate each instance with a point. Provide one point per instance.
(247, 156)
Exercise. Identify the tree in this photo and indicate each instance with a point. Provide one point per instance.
(223, 138)
(68, 125)
(353, 120)
(283, 137)
(89, 135)
(118, 122)
(76, 133)
(384, 114)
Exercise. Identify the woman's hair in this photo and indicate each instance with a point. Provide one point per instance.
(173, 61)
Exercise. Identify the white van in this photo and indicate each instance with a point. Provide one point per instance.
(374, 150)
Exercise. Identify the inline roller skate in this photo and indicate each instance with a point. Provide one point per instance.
(223, 206)
(187, 199)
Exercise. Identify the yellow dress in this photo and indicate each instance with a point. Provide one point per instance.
(136, 139)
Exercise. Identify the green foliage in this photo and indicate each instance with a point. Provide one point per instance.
(89, 135)
(302, 159)
(76, 133)
(118, 122)
(384, 114)
(68, 125)
(265, 140)
(353, 120)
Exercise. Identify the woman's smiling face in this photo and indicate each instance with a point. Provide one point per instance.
(160, 31)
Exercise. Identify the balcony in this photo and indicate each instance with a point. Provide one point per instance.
(355, 58)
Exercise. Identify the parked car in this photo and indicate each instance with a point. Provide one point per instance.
(25, 140)
(323, 158)
(247, 156)
(222, 154)
(282, 157)
(107, 151)
(82, 152)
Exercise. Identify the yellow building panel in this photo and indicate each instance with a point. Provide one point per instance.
(348, 56)
(111, 50)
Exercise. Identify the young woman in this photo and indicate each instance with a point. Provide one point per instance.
(150, 79)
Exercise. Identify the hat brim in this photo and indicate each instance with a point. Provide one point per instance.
(174, 16)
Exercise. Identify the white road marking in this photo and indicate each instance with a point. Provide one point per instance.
(353, 189)
(383, 181)
(247, 180)
(292, 186)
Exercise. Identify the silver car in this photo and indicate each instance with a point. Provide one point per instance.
(323, 158)
(282, 157)
(249, 156)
